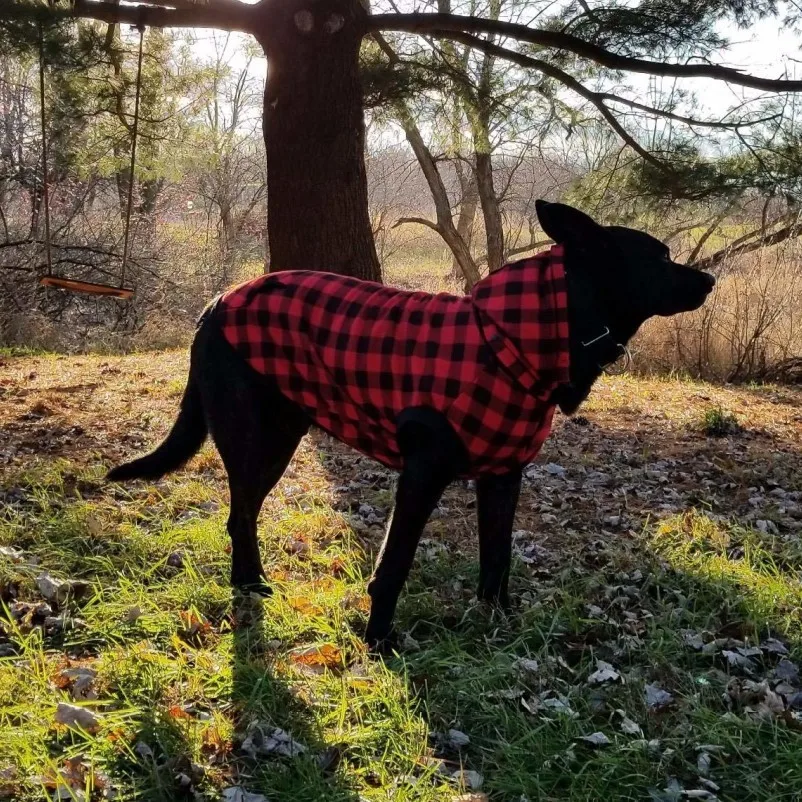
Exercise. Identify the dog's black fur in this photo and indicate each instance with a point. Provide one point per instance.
(617, 278)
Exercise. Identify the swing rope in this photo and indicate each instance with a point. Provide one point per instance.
(75, 284)
(45, 187)
(134, 131)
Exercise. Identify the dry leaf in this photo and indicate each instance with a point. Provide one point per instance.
(470, 779)
(304, 605)
(597, 739)
(628, 726)
(319, 658)
(236, 794)
(657, 697)
(265, 740)
(526, 666)
(80, 681)
(457, 739)
(604, 673)
(79, 717)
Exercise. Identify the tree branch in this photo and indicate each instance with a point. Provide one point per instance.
(690, 121)
(780, 235)
(422, 221)
(530, 246)
(227, 15)
(713, 225)
(446, 25)
(571, 83)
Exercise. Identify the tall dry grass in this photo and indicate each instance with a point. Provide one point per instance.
(748, 330)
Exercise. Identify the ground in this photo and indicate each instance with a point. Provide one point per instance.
(652, 653)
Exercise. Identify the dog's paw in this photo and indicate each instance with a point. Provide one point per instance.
(384, 645)
(496, 600)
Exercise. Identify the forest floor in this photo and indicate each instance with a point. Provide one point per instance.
(653, 651)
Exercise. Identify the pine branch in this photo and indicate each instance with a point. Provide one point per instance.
(447, 25)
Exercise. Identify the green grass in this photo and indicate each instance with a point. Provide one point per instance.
(9, 351)
(184, 672)
(716, 422)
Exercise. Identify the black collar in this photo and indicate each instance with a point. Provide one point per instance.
(593, 347)
(592, 340)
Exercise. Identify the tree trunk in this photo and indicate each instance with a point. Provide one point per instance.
(314, 128)
(445, 221)
(467, 214)
(494, 229)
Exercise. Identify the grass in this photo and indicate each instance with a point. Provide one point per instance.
(188, 682)
(718, 423)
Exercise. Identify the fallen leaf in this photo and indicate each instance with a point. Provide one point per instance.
(326, 656)
(457, 739)
(12, 554)
(143, 750)
(657, 697)
(597, 739)
(481, 796)
(737, 660)
(270, 741)
(194, 627)
(470, 779)
(628, 726)
(526, 666)
(57, 590)
(178, 712)
(79, 681)
(79, 717)
(235, 793)
(559, 706)
(787, 671)
(604, 673)
(773, 646)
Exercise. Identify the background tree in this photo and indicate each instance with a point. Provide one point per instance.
(313, 113)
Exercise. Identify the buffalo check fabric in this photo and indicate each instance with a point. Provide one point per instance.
(355, 354)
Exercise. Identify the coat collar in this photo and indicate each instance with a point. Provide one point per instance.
(522, 311)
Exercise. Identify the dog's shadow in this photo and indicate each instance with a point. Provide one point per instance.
(282, 751)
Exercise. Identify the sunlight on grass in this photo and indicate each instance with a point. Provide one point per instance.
(185, 685)
(743, 563)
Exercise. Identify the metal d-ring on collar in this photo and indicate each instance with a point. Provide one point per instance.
(624, 351)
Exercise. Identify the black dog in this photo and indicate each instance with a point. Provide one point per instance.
(614, 279)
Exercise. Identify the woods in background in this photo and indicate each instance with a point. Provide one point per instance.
(463, 134)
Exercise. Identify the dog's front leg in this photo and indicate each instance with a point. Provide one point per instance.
(496, 502)
(431, 461)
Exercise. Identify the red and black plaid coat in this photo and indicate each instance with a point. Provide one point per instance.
(354, 354)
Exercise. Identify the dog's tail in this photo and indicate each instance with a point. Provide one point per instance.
(184, 440)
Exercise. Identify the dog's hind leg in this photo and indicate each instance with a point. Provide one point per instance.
(252, 474)
(432, 458)
(496, 501)
(256, 430)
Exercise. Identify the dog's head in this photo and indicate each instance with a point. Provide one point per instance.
(632, 272)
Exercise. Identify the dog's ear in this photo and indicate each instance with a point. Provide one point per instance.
(564, 224)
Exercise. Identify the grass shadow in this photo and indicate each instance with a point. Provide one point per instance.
(289, 757)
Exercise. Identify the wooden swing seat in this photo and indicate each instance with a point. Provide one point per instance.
(88, 287)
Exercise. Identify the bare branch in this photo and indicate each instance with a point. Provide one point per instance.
(714, 224)
(568, 81)
(530, 246)
(422, 221)
(227, 15)
(758, 240)
(446, 25)
(690, 121)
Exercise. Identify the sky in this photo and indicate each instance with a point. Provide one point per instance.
(767, 49)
